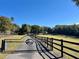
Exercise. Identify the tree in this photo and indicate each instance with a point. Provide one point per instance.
(5, 24)
(42, 30)
(76, 2)
(47, 30)
(25, 29)
(72, 30)
(15, 28)
(12, 18)
(35, 29)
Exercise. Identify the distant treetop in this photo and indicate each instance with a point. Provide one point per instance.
(76, 2)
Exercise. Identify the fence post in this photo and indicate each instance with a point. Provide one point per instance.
(43, 39)
(52, 43)
(3, 45)
(61, 47)
(47, 42)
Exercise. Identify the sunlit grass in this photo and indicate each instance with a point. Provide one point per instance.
(16, 37)
(11, 46)
(67, 38)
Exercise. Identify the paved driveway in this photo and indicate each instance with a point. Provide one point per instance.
(23, 53)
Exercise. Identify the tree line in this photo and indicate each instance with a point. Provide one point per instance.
(8, 27)
(72, 30)
(34, 29)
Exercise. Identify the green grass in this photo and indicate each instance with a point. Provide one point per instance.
(67, 38)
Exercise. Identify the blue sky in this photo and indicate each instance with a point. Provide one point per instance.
(40, 12)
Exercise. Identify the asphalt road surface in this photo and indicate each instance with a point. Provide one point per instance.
(29, 51)
(26, 51)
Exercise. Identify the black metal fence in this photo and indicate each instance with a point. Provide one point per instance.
(50, 42)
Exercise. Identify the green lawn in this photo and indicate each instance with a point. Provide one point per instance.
(67, 38)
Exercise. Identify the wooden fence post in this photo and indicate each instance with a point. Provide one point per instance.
(52, 43)
(47, 42)
(3, 45)
(61, 47)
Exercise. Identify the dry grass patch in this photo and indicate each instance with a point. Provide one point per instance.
(12, 45)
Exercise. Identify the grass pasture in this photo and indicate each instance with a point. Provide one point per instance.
(12, 45)
(67, 38)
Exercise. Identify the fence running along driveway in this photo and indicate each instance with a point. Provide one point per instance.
(42, 46)
(50, 42)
